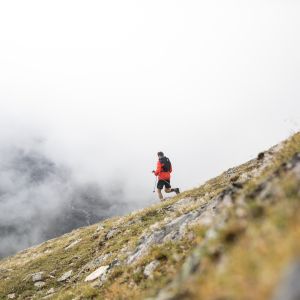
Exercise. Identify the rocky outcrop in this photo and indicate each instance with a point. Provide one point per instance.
(65, 276)
(150, 268)
(98, 274)
(37, 276)
(289, 288)
(73, 244)
(170, 231)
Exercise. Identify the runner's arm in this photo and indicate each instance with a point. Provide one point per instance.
(158, 169)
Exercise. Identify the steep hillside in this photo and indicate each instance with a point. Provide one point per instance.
(231, 238)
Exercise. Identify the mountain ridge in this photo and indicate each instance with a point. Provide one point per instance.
(211, 242)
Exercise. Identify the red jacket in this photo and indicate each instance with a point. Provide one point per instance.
(161, 174)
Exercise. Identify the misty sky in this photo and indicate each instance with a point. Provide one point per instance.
(106, 84)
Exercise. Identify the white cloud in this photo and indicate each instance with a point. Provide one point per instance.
(107, 84)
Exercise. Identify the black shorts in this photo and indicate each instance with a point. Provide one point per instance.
(162, 183)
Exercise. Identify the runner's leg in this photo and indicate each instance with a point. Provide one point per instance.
(168, 188)
(160, 195)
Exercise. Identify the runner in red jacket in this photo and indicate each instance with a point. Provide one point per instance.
(163, 171)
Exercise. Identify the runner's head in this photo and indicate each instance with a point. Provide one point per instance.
(160, 154)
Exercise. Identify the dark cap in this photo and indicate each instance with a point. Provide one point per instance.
(160, 153)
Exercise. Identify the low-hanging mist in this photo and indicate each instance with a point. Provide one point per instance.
(41, 199)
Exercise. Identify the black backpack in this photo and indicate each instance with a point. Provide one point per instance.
(166, 164)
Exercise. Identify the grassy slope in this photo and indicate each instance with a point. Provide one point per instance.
(248, 269)
(253, 264)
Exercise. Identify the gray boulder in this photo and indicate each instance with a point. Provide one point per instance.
(99, 273)
(39, 284)
(65, 276)
(150, 268)
(289, 287)
(37, 276)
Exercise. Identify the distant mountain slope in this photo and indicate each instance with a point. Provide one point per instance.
(40, 200)
(231, 238)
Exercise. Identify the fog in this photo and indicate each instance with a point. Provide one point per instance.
(90, 91)
(40, 199)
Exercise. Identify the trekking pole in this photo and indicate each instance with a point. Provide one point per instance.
(155, 184)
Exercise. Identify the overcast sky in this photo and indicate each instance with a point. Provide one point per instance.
(107, 84)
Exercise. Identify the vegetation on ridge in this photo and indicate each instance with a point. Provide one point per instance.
(238, 252)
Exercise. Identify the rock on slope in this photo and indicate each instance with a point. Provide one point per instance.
(231, 238)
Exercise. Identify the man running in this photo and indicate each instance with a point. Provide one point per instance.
(163, 171)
